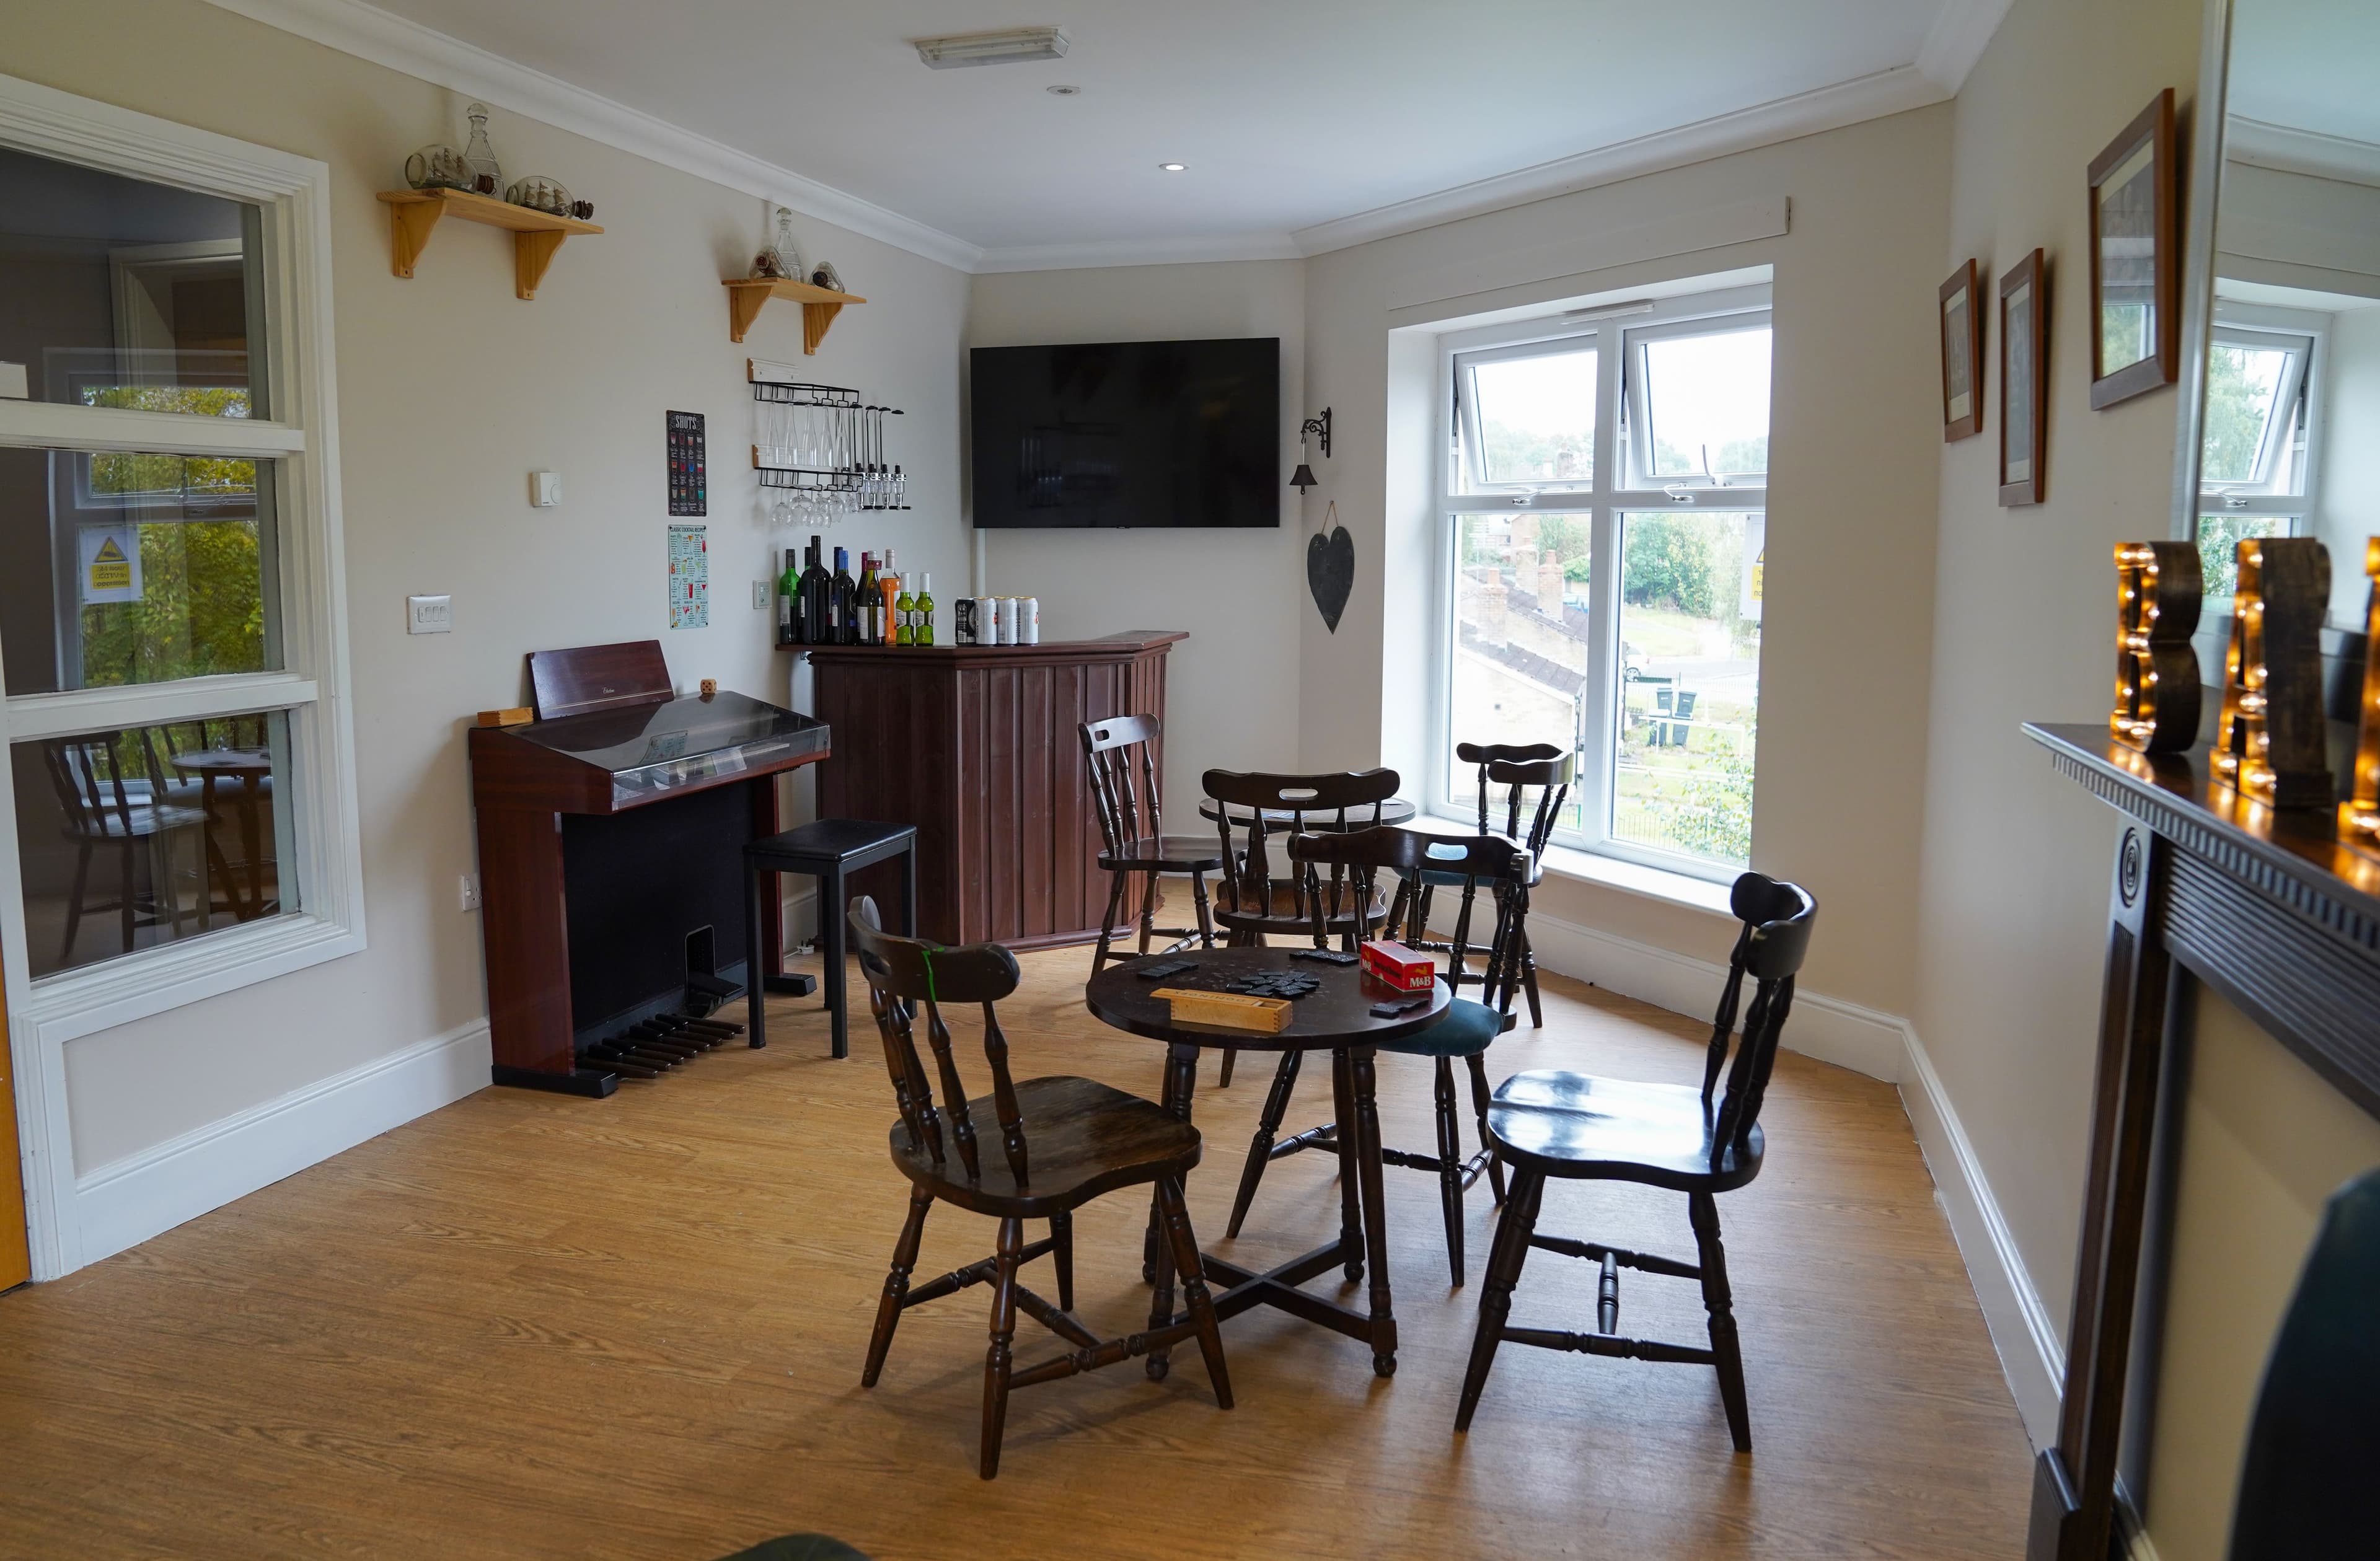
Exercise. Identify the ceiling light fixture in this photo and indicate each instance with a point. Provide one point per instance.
(1063, 92)
(1010, 46)
(1176, 168)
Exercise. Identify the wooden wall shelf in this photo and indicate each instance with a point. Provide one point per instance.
(413, 216)
(819, 306)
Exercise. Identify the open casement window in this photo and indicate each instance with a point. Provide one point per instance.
(180, 806)
(1604, 495)
(2256, 456)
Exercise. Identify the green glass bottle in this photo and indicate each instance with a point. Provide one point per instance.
(922, 630)
(788, 617)
(905, 608)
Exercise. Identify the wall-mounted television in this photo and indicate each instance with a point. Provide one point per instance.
(1128, 433)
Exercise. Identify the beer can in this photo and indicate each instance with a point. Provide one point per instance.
(1003, 627)
(1028, 621)
(963, 620)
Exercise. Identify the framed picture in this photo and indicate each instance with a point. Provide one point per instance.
(2135, 261)
(1962, 353)
(2024, 380)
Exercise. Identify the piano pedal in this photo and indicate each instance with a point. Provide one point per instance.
(594, 1057)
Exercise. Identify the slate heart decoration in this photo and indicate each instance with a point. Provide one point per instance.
(1331, 569)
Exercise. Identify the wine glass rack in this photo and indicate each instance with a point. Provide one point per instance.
(821, 450)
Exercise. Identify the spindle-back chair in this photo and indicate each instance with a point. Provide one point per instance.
(111, 792)
(1464, 1033)
(1701, 1142)
(1535, 781)
(1120, 755)
(1084, 1139)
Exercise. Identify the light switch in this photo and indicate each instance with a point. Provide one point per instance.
(762, 594)
(544, 490)
(429, 614)
(12, 381)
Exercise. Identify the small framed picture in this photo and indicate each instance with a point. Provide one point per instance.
(1963, 355)
(2135, 264)
(2024, 383)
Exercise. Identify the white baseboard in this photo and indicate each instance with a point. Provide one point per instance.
(1826, 1028)
(127, 1202)
(2031, 1356)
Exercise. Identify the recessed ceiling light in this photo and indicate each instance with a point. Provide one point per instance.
(1010, 46)
(1063, 92)
(1174, 167)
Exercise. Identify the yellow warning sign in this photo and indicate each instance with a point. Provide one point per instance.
(110, 570)
(1759, 572)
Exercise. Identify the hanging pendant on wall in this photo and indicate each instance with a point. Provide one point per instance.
(1331, 567)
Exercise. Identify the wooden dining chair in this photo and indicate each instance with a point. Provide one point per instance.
(1062, 1141)
(1531, 783)
(1464, 1033)
(1578, 1127)
(1121, 756)
(1256, 900)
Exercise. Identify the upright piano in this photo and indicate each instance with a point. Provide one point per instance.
(611, 832)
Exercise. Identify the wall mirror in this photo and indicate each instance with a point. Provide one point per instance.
(2289, 335)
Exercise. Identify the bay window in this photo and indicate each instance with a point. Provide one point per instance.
(1604, 490)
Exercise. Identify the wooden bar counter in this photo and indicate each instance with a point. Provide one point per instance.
(976, 746)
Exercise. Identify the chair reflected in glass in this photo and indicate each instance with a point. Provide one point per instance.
(1702, 1142)
(112, 798)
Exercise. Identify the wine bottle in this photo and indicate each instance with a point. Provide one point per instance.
(787, 585)
(888, 600)
(843, 609)
(904, 609)
(816, 594)
(921, 622)
(872, 606)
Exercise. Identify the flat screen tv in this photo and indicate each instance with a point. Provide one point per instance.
(1128, 433)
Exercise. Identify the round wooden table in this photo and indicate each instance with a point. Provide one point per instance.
(250, 767)
(1336, 1017)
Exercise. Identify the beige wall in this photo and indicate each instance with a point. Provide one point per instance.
(2265, 1142)
(1231, 690)
(450, 391)
(2014, 914)
(1850, 501)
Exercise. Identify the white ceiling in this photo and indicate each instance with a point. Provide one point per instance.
(1294, 119)
(2307, 64)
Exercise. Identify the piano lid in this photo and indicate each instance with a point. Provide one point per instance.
(672, 744)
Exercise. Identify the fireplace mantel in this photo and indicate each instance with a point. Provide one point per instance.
(2267, 908)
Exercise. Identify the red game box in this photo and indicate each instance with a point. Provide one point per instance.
(1399, 966)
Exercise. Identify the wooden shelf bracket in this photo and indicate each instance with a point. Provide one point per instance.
(414, 215)
(819, 306)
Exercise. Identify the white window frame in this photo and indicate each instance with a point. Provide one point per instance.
(326, 858)
(1612, 492)
(2254, 325)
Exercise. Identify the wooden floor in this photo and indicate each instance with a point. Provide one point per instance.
(529, 1326)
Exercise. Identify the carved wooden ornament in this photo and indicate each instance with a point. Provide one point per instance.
(2358, 817)
(2270, 743)
(2159, 586)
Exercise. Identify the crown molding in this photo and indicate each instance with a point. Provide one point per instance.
(1141, 252)
(1805, 114)
(370, 33)
(2292, 150)
(1963, 30)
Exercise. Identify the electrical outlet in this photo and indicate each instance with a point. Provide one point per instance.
(429, 614)
(470, 891)
(761, 593)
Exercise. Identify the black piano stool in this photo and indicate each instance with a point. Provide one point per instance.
(828, 850)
